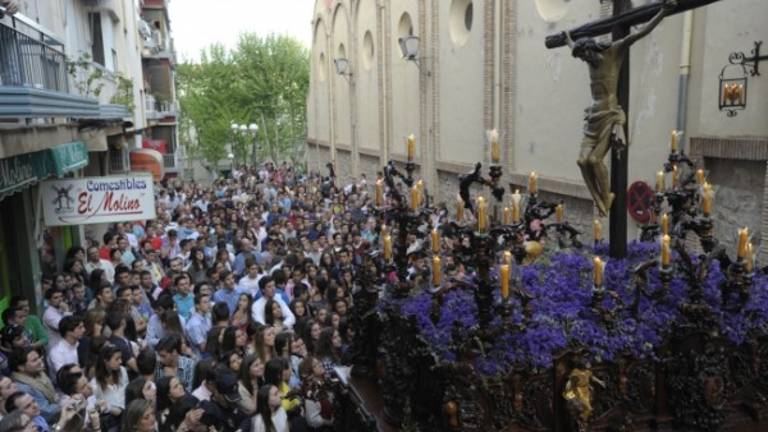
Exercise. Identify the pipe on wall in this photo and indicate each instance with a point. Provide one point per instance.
(685, 72)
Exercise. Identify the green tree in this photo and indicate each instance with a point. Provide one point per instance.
(263, 81)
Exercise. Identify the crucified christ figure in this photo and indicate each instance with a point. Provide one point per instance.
(604, 119)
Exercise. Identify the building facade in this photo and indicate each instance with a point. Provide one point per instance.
(482, 64)
(78, 95)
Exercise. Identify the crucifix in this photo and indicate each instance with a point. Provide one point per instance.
(605, 125)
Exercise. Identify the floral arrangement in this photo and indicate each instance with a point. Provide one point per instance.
(562, 316)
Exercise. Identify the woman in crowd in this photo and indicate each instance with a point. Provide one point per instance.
(270, 417)
(329, 349)
(273, 315)
(277, 372)
(140, 388)
(109, 383)
(197, 266)
(169, 390)
(242, 316)
(318, 397)
(264, 342)
(251, 378)
(299, 309)
(139, 417)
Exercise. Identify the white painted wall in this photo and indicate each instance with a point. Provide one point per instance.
(461, 92)
(405, 78)
(551, 86)
(366, 76)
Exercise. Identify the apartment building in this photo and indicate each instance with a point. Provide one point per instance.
(84, 85)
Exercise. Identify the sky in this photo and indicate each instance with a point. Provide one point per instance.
(196, 24)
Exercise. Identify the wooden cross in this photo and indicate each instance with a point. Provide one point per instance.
(597, 130)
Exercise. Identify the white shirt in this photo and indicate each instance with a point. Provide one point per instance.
(257, 311)
(62, 353)
(251, 286)
(51, 318)
(114, 394)
(202, 393)
(279, 420)
(109, 269)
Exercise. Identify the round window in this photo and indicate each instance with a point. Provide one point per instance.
(552, 10)
(367, 50)
(461, 17)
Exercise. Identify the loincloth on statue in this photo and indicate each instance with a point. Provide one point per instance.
(598, 125)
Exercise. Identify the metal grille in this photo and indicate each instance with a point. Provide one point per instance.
(169, 160)
(118, 160)
(27, 62)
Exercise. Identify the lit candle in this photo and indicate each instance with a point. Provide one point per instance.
(387, 247)
(560, 213)
(674, 176)
(700, 177)
(660, 182)
(743, 240)
(665, 224)
(495, 149)
(597, 230)
(436, 275)
(459, 208)
(435, 241)
(507, 215)
(411, 147)
(414, 197)
(673, 141)
(740, 94)
(481, 214)
(598, 271)
(666, 253)
(379, 192)
(504, 276)
(516, 198)
(749, 263)
(707, 198)
(508, 258)
(533, 186)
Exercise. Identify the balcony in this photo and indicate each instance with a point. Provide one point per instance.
(33, 76)
(157, 109)
(37, 80)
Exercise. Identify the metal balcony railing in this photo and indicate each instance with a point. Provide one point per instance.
(29, 62)
(169, 160)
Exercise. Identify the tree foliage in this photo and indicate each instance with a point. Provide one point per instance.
(264, 80)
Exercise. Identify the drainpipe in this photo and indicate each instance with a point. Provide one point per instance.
(685, 72)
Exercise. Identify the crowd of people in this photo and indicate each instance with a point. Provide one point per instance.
(229, 311)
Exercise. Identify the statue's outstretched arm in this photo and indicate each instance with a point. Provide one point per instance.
(666, 8)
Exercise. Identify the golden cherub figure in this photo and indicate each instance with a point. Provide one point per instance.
(578, 394)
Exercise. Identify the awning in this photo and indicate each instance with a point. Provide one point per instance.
(19, 172)
(68, 157)
(148, 160)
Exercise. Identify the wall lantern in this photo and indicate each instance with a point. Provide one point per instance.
(733, 79)
(409, 45)
(342, 67)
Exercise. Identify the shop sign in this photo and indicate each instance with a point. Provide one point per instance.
(21, 171)
(95, 200)
(18, 172)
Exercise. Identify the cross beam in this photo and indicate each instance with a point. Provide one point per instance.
(631, 17)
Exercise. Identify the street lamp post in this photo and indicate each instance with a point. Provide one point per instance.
(253, 129)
